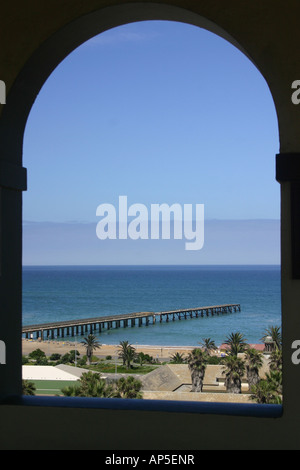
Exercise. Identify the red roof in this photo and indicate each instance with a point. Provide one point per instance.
(258, 347)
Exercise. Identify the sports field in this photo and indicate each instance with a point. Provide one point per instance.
(51, 387)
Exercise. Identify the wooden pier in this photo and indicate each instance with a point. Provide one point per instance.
(85, 326)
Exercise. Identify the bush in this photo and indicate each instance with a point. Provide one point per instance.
(66, 359)
(142, 358)
(43, 361)
(82, 362)
(93, 359)
(69, 358)
(37, 355)
(74, 354)
(55, 357)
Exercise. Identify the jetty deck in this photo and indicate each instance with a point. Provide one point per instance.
(96, 325)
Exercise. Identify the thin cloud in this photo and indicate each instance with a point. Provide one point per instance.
(117, 36)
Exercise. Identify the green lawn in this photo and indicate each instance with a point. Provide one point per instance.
(54, 387)
(110, 368)
(51, 387)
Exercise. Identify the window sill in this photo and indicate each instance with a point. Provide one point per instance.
(201, 408)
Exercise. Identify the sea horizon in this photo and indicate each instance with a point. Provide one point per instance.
(69, 292)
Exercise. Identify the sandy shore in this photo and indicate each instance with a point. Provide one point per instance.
(63, 347)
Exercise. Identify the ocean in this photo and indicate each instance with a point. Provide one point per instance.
(73, 292)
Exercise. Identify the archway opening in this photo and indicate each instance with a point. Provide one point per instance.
(153, 135)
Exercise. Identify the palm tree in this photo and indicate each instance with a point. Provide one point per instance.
(276, 360)
(28, 388)
(71, 391)
(90, 385)
(91, 345)
(197, 361)
(237, 343)
(208, 345)
(127, 353)
(128, 387)
(234, 371)
(268, 391)
(254, 362)
(275, 333)
(177, 358)
(263, 393)
(275, 380)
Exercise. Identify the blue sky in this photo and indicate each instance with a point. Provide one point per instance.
(160, 112)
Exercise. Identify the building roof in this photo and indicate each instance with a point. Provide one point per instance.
(257, 347)
(46, 373)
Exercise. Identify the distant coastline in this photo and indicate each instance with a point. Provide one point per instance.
(227, 242)
(149, 266)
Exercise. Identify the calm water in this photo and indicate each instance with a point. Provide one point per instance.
(55, 293)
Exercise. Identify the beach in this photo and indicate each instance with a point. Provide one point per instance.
(63, 347)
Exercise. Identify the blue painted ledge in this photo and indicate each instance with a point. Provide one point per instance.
(201, 408)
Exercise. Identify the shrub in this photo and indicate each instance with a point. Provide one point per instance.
(55, 357)
(65, 359)
(82, 362)
(37, 355)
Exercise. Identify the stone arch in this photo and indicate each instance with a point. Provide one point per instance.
(67, 29)
(56, 48)
(35, 38)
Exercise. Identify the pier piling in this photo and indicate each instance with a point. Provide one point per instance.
(82, 326)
